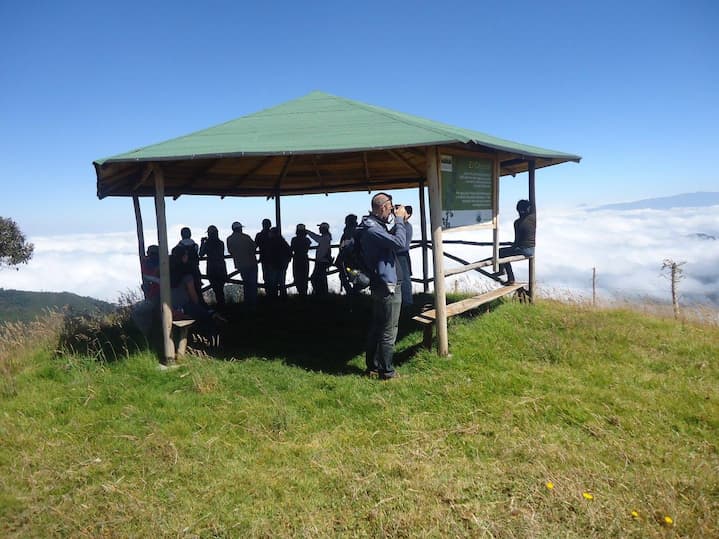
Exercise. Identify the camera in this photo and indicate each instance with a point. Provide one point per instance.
(408, 209)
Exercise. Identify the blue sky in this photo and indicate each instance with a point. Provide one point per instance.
(630, 86)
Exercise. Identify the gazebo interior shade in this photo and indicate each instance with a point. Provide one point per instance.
(318, 143)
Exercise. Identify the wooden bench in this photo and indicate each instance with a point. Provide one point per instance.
(428, 317)
(183, 327)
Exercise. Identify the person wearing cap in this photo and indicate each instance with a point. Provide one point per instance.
(525, 229)
(214, 249)
(300, 246)
(242, 248)
(380, 248)
(323, 259)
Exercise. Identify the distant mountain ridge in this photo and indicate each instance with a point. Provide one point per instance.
(23, 306)
(684, 200)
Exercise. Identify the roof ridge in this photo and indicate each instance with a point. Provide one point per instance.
(399, 116)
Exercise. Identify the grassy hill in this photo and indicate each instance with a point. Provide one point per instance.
(22, 306)
(549, 420)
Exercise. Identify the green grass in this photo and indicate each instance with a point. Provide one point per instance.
(296, 443)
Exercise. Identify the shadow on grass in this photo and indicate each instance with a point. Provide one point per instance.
(321, 334)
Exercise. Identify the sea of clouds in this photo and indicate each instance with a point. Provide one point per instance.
(627, 248)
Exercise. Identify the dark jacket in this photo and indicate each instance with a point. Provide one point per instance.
(380, 247)
(214, 249)
(525, 230)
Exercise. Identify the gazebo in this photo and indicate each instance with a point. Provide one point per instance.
(318, 143)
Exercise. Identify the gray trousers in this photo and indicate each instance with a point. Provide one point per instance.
(382, 335)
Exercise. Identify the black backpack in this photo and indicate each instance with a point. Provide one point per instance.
(350, 261)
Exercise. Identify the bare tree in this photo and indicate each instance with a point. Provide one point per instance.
(675, 275)
(14, 249)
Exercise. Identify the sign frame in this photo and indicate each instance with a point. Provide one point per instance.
(470, 170)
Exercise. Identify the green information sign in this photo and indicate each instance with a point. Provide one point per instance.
(467, 194)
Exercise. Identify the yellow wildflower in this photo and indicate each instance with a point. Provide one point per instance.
(668, 521)
(549, 485)
(635, 515)
(587, 496)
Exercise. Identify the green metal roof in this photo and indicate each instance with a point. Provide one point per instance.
(317, 123)
(316, 143)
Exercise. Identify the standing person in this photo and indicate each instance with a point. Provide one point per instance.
(525, 228)
(347, 235)
(214, 249)
(277, 258)
(350, 227)
(405, 261)
(300, 246)
(261, 239)
(380, 248)
(242, 249)
(323, 259)
(193, 254)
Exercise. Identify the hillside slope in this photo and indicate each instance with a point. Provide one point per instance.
(23, 306)
(548, 420)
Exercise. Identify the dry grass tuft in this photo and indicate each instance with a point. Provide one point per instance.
(19, 340)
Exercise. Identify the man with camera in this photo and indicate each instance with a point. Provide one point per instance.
(379, 249)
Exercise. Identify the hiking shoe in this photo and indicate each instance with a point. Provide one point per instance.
(371, 373)
(389, 375)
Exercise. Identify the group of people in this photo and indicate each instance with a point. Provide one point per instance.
(268, 249)
(385, 239)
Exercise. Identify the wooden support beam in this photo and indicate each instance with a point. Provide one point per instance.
(140, 232)
(283, 174)
(533, 202)
(402, 159)
(495, 216)
(278, 213)
(423, 225)
(253, 170)
(320, 179)
(165, 298)
(435, 208)
(366, 169)
(145, 175)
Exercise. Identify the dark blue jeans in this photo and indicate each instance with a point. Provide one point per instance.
(383, 330)
(511, 251)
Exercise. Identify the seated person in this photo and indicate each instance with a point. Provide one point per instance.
(525, 228)
(185, 300)
(151, 274)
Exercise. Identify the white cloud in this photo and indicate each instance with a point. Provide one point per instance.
(626, 247)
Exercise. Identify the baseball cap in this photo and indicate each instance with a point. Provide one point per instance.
(324, 225)
(236, 225)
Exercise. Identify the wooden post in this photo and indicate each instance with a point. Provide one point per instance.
(140, 233)
(435, 215)
(278, 212)
(423, 225)
(165, 298)
(533, 202)
(594, 287)
(495, 217)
